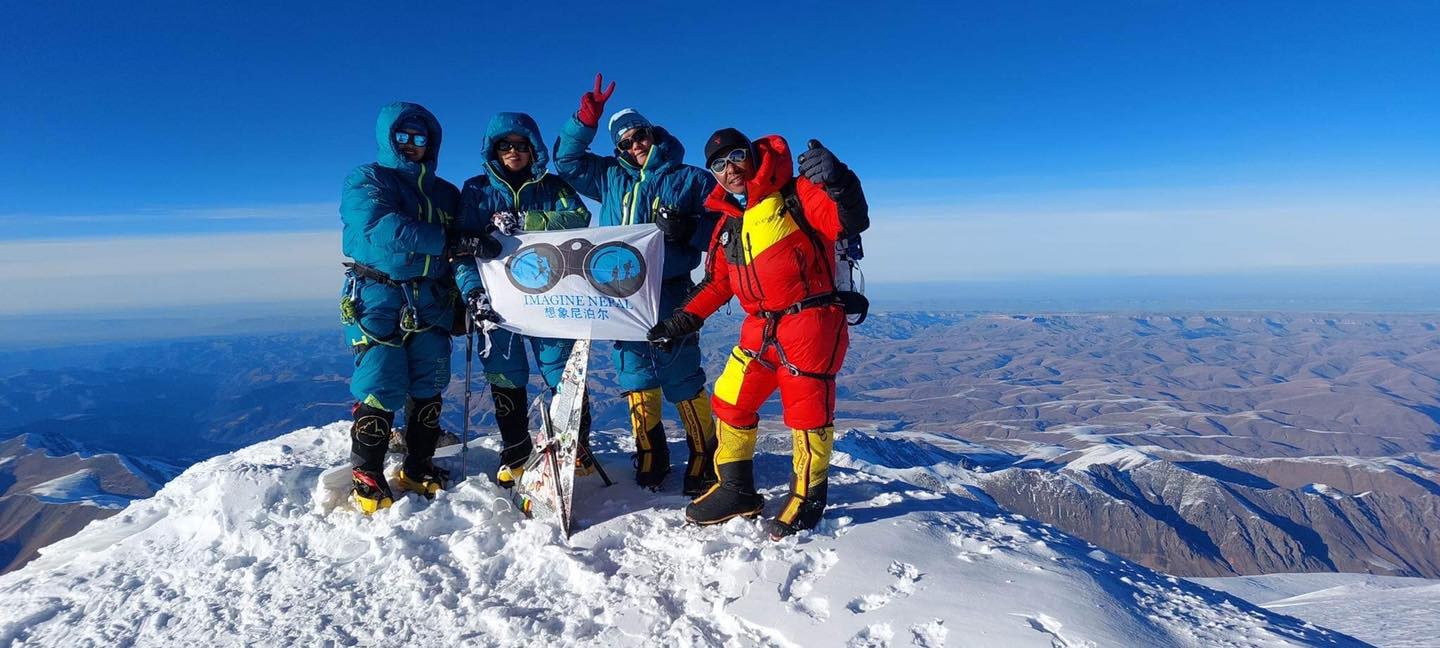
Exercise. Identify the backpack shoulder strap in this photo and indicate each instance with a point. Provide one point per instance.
(791, 197)
(797, 211)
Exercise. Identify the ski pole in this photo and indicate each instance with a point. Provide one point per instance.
(465, 421)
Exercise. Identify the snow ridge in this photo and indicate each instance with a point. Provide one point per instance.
(240, 550)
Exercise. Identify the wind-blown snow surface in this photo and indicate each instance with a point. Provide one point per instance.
(79, 487)
(1388, 611)
(242, 549)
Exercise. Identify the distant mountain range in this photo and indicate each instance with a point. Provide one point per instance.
(1197, 444)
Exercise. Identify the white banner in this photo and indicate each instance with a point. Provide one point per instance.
(600, 283)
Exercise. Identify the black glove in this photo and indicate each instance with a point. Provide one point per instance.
(477, 305)
(481, 246)
(667, 333)
(819, 165)
(678, 227)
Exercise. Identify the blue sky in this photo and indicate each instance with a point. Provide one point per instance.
(996, 139)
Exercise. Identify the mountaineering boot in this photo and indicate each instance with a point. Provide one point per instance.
(370, 490)
(734, 492)
(369, 437)
(426, 479)
(808, 485)
(584, 460)
(511, 417)
(422, 433)
(652, 456)
(508, 476)
(699, 424)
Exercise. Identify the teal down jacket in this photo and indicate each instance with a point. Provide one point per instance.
(547, 202)
(395, 211)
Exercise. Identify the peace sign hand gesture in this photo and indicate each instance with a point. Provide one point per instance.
(592, 103)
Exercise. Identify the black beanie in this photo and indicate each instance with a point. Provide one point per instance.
(724, 141)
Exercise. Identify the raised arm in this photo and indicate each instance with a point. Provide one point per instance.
(573, 160)
(845, 213)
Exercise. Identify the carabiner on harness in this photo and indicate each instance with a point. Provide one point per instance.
(350, 300)
(409, 316)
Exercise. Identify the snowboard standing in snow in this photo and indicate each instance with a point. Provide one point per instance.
(548, 483)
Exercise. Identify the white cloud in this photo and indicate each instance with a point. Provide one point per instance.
(925, 245)
(137, 272)
(303, 213)
(977, 236)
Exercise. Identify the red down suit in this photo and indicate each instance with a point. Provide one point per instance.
(794, 337)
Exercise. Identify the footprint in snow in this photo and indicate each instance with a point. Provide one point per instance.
(801, 580)
(875, 636)
(929, 635)
(906, 575)
(1046, 624)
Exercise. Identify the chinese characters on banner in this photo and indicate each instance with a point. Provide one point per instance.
(599, 283)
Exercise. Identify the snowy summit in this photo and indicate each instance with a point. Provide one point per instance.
(245, 549)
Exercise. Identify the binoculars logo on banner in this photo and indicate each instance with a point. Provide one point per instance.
(614, 269)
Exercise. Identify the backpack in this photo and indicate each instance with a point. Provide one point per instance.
(848, 280)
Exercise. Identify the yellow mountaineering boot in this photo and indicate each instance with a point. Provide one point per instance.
(427, 479)
(734, 494)
(808, 484)
(370, 491)
(508, 476)
(699, 424)
(652, 456)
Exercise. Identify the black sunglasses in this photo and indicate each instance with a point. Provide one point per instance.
(504, 146)
(641, 134)
(402, 137)
(734, 157)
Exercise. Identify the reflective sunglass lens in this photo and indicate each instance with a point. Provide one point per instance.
(733, 157)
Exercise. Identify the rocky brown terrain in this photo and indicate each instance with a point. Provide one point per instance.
(1199, 445)
(48, 491)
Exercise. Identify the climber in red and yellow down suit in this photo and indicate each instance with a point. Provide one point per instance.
(781, 266)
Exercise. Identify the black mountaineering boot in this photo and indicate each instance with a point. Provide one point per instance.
(652, 456)
(734, 494)
(511, 417)
(808, 483)
(699, 424)
(369, 438)
(422, 432)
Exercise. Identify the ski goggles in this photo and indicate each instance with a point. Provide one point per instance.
(402, 137)
(641, 134)
(614, 268)
(505, 146)
(734, 157)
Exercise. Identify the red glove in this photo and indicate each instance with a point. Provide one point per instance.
(592, 104)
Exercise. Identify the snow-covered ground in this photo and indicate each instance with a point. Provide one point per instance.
(1388, 611)
(243, 550)
(79, 487)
